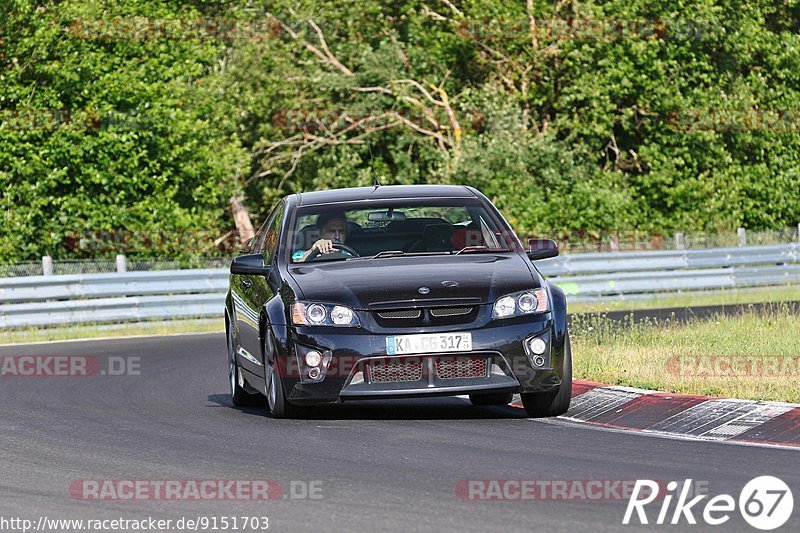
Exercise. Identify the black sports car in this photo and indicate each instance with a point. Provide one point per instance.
(394, 292)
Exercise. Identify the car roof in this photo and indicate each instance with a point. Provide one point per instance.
(383, 192)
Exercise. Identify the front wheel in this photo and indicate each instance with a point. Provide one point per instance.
(239, 396)
(278, 405)
(555, 402)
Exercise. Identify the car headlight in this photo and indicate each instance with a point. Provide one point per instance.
(521, 303)
(319, 314)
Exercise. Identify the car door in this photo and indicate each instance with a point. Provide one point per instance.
(244, 316)
(256, 291)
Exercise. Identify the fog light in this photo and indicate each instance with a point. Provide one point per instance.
(313, 358)
(538, 361)
(537, 346)
(314, 373)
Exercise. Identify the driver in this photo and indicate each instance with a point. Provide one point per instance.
(332, 229)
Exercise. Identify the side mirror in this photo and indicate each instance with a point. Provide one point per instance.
(252, 264)
(542, 249)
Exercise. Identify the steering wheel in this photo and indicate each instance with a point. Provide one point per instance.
(336, 246)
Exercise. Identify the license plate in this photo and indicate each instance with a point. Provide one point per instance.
(429, 343)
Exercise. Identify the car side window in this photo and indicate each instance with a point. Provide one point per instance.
(258, 240)
(272, 231)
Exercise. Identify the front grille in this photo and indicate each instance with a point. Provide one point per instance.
(450, 311)
(433, 316)
(401, 314)
(394, 371)
(461, 367)
(415, 371)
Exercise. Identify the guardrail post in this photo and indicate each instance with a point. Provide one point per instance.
(742, 236)
(680, 243)
(122, 263)
(47, 265)
(798, 232)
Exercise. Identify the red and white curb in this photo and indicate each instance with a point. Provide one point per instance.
(685, 416)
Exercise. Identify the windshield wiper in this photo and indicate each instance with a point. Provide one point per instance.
(388, 253)
(466, 249)
(481, 248)
(397, 253)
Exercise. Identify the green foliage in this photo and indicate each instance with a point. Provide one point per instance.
(103, 135)
(667, 128)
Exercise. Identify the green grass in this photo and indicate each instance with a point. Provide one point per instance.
(91, 331)
(684, 357)
(723, 297)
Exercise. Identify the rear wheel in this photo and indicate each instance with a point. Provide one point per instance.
(496, 398)
(555, 402)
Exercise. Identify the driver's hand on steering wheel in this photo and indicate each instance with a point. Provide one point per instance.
(325, 246)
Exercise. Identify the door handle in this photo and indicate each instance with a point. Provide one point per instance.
(246, 283)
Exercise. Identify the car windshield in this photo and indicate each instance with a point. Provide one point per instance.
(353, 231)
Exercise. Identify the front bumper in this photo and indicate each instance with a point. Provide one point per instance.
(497, 344)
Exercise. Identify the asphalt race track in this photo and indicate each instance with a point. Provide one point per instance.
(386, 466)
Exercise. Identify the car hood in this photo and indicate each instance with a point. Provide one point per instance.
(396, 281)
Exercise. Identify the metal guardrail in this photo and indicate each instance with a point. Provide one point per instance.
(629, 283)
(37, 288)
(104, 310)
(591, 263)
(111, 297)
(630, 275)
(133, 296)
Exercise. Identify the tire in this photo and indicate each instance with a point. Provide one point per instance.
(555, 402)
(278, 406)
(239, 396)
(496, 398)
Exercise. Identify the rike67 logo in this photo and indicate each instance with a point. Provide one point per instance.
(765, 502)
